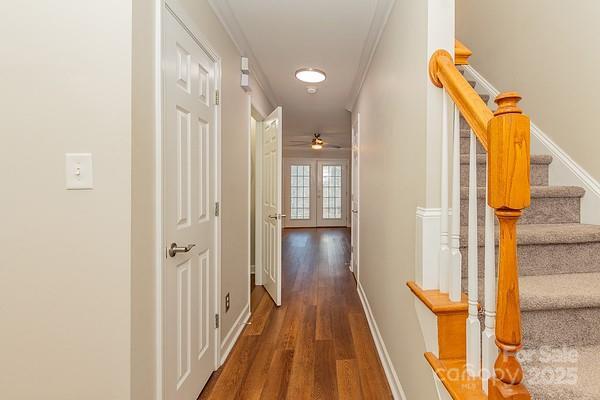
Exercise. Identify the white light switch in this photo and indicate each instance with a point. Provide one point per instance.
(79, 172)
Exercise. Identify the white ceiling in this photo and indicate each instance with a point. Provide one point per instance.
(282, 36)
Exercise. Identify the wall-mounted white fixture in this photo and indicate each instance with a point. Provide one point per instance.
(245, 77)
(310, 75)
(312, 90)
(245, 66)
(78, 171)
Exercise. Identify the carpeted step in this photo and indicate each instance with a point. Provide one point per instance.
(555, 373)
(538, 174)
(557, 310)
(560, 310)
(549, 205)
(547, 249)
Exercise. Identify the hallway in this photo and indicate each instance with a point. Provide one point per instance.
(317, 344)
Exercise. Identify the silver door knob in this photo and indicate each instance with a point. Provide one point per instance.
(174, 249)
(355, 211)
(277, 216)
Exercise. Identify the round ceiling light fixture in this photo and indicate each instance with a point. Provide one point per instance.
(310, 75)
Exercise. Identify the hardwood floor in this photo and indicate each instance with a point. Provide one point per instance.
(317, 345)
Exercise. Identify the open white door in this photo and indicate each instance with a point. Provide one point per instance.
(354, 197)
(189, 221)
(271, 204)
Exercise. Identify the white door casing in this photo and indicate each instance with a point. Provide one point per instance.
(271, 204)
(354, 198)
(332, 193)
(190, 168)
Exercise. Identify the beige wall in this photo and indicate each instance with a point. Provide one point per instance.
(550, 53)
(64, 275)
(393, 112)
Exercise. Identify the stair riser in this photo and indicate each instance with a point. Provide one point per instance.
(549, 259)
(543, 210)
(563, 327)
(538, 175)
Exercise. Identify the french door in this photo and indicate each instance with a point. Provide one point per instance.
(316, 192)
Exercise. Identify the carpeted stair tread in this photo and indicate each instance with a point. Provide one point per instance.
(536, 192)
(552, 292)
(571, 373)
(535, 159)
(544, 234)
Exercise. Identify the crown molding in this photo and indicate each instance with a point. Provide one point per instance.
(225, 14)
(378, 23)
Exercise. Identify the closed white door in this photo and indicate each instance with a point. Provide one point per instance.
(271, 207)
(189, 221)
(332, 193)
(354, 198)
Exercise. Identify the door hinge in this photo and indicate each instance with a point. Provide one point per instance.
(217, 320)
(217, 209)
(351, 249)
(217, 98)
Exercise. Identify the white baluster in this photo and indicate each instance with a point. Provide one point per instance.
(444, 249)
(455, 263)
(489, 350)
(473, 325)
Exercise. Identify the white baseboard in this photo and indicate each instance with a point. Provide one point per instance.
(563, 170)
(386, 361)
(234, 333)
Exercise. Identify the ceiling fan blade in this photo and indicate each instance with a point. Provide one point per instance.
(333, 146)
(299, 145)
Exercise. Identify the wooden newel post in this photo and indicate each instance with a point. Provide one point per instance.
(509, 193)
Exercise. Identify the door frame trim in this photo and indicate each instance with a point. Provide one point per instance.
(162, 7)
(355, 230)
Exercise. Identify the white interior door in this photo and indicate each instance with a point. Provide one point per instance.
(332, 192)
(189, 222)
(271, 204)
(354, 198)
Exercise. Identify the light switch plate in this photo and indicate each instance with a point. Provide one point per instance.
(78, 170)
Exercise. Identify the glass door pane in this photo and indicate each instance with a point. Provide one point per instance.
(332, 192)
(300, 192)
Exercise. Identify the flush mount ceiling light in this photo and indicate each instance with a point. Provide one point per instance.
(310, 75)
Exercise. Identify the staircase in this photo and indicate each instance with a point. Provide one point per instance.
(559, 278)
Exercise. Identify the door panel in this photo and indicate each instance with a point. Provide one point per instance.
(332, 193)
(189, 193)
(271, 207)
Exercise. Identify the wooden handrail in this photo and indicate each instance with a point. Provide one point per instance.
(444, 74)
(461, 53)
(505, 135)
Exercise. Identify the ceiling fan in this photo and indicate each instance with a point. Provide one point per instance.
(316, 143)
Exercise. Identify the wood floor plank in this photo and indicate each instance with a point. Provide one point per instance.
(372, 377)
(325, 375)
(302, 378)
(317, 345)
(348, 380)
